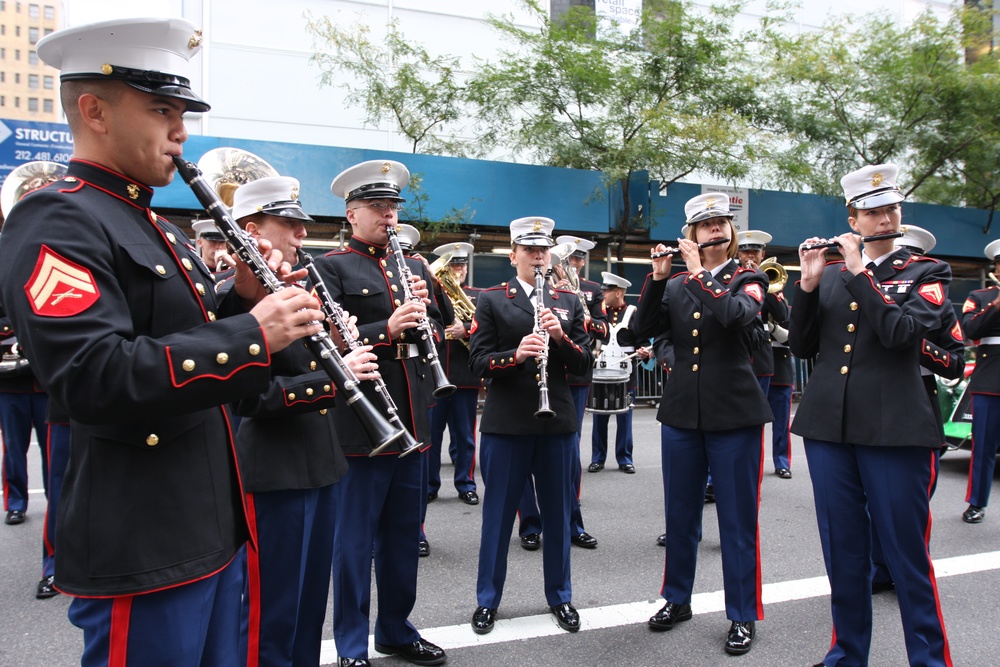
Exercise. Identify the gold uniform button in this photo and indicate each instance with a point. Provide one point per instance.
(222, 358)
(389, 273)
(211, 316)
(843, 370)
(160, 269)
(697, 316)
(188, 365)
(187, 263)
(697, 350)
(708, 284)
(694, 332)
(394, 288)
(312, 365)
(152, 440)
(848, 348)
(380, 337)
(717, 290)
(854, 305)
(383, 262)
(291, 396)
(323, 411)
(364, 291)
(254, 350)
(200, 288)
(851, 328)
(694, 368)
(366, 341)
(309, 391)
(326, 388)
(398, 303)
(171, 238)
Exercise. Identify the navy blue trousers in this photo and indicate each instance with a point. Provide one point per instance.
(507, 463)
(985, 441)
(288, 575)
(735, 457)
(195, 624)
(779, 397)
(57, 456)
(19, 413)
(623, 436)
(377, 509)
(458, 413)
(530, 519)
(856, 487)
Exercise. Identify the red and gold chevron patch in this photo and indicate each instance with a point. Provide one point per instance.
(59, 287)
(754, 290)
(933, 292)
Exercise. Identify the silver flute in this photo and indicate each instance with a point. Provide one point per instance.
(425, 339)
(338, 319)
(542, 360)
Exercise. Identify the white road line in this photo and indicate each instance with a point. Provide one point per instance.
(596, 618)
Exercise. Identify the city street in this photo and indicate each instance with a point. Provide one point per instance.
(616, 586)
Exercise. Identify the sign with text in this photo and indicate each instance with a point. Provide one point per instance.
(739, 204)
(26, 141)
(617, 15)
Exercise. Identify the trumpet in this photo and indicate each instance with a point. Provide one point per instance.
(544, 411)
(378, 429)
(338, 318)
(425, 339)
(777, 275)
(864, 239)
(674, 251)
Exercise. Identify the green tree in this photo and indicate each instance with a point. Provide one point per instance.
(393, 81)
(671, 99)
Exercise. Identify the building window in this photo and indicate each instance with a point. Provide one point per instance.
(17, 31)
(17, 77)
(33, 81)
(32, 35)
(33, 11)
(17, 102)
(33, 104)
(3, 77)
(49, 82)
(3, 98)
(3, 27)
(3, 53)
(32, 58)
(17, 54)
(47, 106)
(50, 12)
(48, 31)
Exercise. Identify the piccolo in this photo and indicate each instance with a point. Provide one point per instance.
(864, 239)
(674, 251)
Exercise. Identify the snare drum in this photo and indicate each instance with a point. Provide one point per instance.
(609, 398)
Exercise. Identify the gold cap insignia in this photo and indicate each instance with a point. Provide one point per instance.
(195, 40)
(458, 246)
(537, 226)
(133, 191)
(748, 234)
(876, 179)
(710, 202)
(107, 69)
(386, 167)
(295, 193)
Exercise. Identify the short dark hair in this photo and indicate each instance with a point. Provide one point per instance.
(71, 91)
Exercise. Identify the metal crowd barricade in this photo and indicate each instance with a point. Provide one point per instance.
(650, 382)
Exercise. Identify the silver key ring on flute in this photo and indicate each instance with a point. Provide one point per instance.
(674, 251)
(864, 239)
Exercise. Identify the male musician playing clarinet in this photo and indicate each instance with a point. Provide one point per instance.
(378, 501)
(119, 318)
(513, 328)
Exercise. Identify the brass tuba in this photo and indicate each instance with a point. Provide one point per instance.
(26, 178)
(225, 169)
(776, 274)
(464, 308)
(560, 255)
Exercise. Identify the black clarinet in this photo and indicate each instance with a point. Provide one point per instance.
(379, 430)
(338, 318)
(425, 340)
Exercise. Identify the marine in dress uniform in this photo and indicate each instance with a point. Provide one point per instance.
(982, 324)
(870, 432)
(457, 412)
(289, 457)
(772, 362)
(378, 501)
(211, 246)
(516, 445)
(622, 339)
(530, 527)
(118, 315)
(712, 413)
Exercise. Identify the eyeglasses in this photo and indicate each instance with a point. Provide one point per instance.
(381, 206)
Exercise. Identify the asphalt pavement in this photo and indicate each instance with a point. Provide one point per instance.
(615, 586)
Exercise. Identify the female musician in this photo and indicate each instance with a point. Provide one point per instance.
(869, 430)
(712, 413)
(506, 346)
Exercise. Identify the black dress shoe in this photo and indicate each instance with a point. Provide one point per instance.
(431, 495)
(483, 619)
(627, 468)
(420, 652)
(882, 586)
(424, 548)
(585, 540)
(46, 589)
(661, 540)
(972, 515)
(709, 493)
(669, 616)
(595, 467)
(783, 473)
(14, 517)
(740, 637)
(531, 541)
(566, 616)
(355, 662)
(469, 497)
